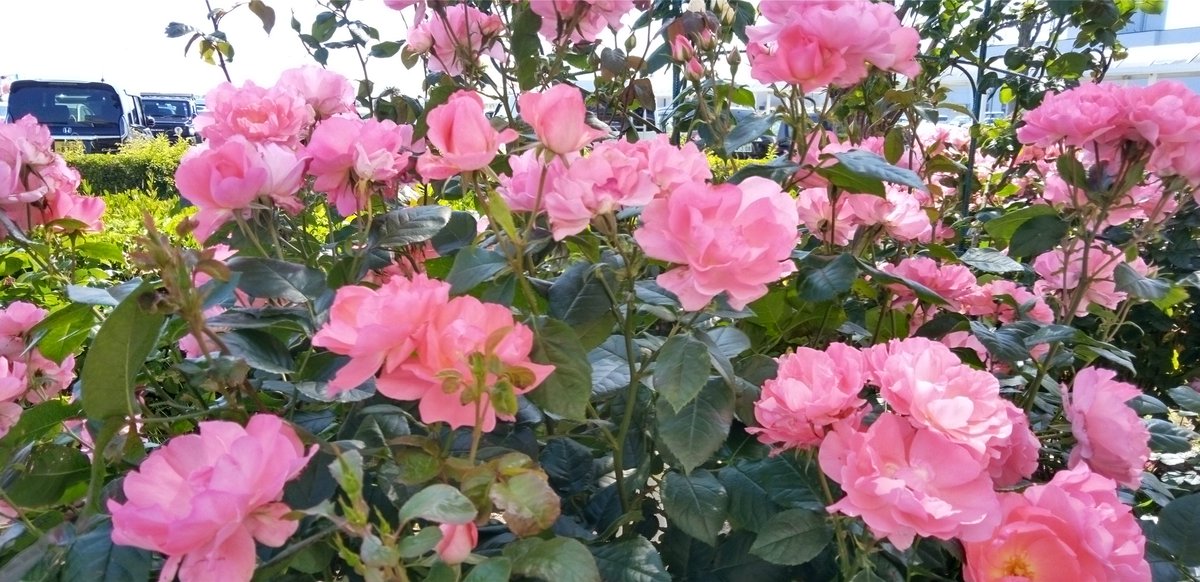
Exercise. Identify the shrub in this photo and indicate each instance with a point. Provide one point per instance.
(141, 164)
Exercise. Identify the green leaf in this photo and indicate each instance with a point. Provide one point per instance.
(750, 504)
(260, 350)
(472, 266)
(36, 423)
(440, 503)
(110, 253)
(408, 226)
(110, 367)
(565, 392)
(1179, 529)
(498, 569)
(526, 46)
(1002, 228)
(1135, 284)
(178, 29)
(922, 292)
(681, 370)
(109, 297)
(698, 429)
(1072, 172)
(265, 14)
(1185, 396)
(529, 504)
(578, 295)
(324, 26)
(1036, 236)
(696, 503)
(63, 332)
(893, 145)
(631, 560)
(553, 560)
(792, 537)
(94, 556)
(990, 261)
(824, 279)
(748, 130)
(47, 474)
(274, 279)
(774, 170)
(386, 49)
(784, 481)
(459, 232)
(1006, 343)
(863, 171)
(1168, 437)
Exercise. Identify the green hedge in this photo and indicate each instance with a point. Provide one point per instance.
(144, 164)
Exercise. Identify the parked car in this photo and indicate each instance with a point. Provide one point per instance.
(172, 114)
(96, 114)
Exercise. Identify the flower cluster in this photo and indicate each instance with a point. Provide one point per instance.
(204, 499)
(1081, 274)
(812, 392)
(26, 375)
(463, 359)
(818, 43)
(455, 38)
(37, 187)
(579, 21)
(899, 213)
(1108, 120)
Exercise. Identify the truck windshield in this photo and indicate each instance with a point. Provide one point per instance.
(167, 108)
(67, 105)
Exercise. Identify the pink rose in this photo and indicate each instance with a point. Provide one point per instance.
(525, 190)
(905, 481)
(816, 211)
(604, 181)
(813, 391)
(1062, 273)
(259, 115)
(15, 322)
(579, 21)
(353, 157)
(899, 213)
(1008, 301)
(726, 238)
(204, 499)
(440, 372)
(1110, 437)
(1014, 457)
(559, 119)
(10, 413)
(955, 283)
(463, 136)
(455, 42)
(457, 542)
(1072, 528)
(327, 92)
(669, 167)
(13, 380)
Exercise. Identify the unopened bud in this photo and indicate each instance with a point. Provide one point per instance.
(681, 49)
(693, 71)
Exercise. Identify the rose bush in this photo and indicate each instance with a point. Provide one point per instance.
(480, 334)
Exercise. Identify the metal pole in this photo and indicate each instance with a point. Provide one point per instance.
(968, 181)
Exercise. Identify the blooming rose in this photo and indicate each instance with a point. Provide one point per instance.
(1109, 436)
(816, 211)
(1089, 116)
(37, 186)
(1062, 272)
(905, 481)
(455, 41)
(349, 154)
(457, 542)
(812, 392)
(204, 499)
(559, 119)
(997, 298)
(327, 92)
(579, 21)
(600, 183)
(521, 189)
(727, 238)
(1014, 457)
(954, 283)
(260, 115)
(670, 167)
(899, 213)
(1072, 528)
(463, 136)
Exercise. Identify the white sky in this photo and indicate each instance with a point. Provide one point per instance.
(123, 42)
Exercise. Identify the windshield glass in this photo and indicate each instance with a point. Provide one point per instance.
(70, 109)
(167, 108)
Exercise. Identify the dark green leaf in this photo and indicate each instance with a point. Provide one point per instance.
(578, 295)
(1004, 227)
(498, 569)
(46, 475)
(111, 366)
(386, 49)
(1168, 437)
(109, 297)
(459, 232)
(472, 266)
(823, 278)
(556, 559)
(750, 504)
(260, 350)
(440, 503)
(178, 29)
(922, 292)
(990, 261)
(748, 130)
(1179, 529)
(610, 366)
(408, 226)
(893, 145)
(696, 503)
(1185, 396)
(858, 169)
(566, 391)
(265, 14)
(526, 46)
(275, 279)
(36, 423)
(1037, 235)
(324, 26)
(631, 560)
(784, 481)
(1006, 343)
(1051, 333)
(681, 370)
(63, 332)
(773, 170)
(698, 429)
(1072, 172)
(94, 556)
(792, 537)
(1135, 284)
